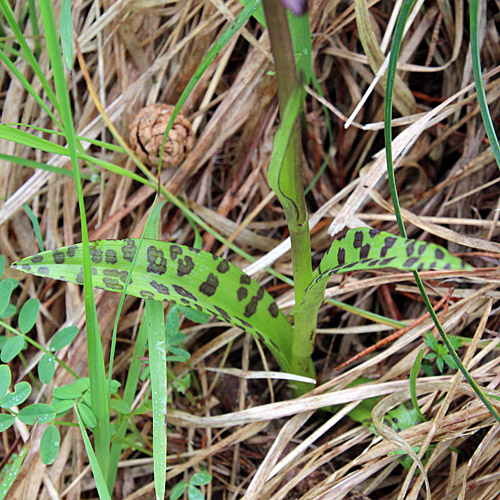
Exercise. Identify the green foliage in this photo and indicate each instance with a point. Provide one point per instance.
(193, 493)
(439, 352)
(12, 348)
(49, 444)
(28, 314)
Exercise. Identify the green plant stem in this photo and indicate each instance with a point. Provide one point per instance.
(291, 190)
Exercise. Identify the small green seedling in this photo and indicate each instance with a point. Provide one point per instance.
(439, 352)
(191, 486)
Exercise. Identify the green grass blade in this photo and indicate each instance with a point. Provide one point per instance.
(97, 374)
(100, 481)
(10, 477)
(35, 224)
(158, 372)
(24, 162)
(413, 382)
(29, 88)
(11, 20)
(67, 34)
(133, 373)
(478, 79)
(389, 93)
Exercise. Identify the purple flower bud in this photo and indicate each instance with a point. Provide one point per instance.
(296, 7)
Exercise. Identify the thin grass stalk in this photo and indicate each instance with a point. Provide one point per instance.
(391, 75)
(97, 374)
(478, 79)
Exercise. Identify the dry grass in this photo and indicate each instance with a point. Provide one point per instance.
(256, 441)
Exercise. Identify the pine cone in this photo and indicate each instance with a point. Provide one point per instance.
(146, 135)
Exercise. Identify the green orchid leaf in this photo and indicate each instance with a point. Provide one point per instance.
(364, 249)
(178, 274)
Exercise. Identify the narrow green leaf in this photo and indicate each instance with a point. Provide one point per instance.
(158, 365)
(173, 322)
(63, 338)
(2, 265)
(62, 406)
(5, 293)
(67, 34)
(12, 348)
(100, 482)
(194, 493)
(194, 315)
(6, 420)
(35, 224)
(5, 379)
(72, 391)
(49, 444)
(28, 314)
(44, 413)
(88, 416)
(413, 383)
(178, 274)
(201, 478)
(363, 249)
(178, 490)
(13, 469)
(46, 368)
(19, 396)
(478, 80)
(8, 312)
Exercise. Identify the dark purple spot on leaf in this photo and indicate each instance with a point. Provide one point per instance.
(146, 294)
(242, 293)
(129, 250)
(421, 248)
(273, 310)
(260, 293)
(223, 266)
(373, 232)
(209, 287)
(245, 279)
(43, 270)
(185, 266)
(112, 284)
(439, 254)
(95, 255)
(71, 250)
(157, 263)
(110, 257)
(410, 249)
(386, 262)
(175, 251)
(160, 287)
(223, 313)
(251, 307)
(388, 243)
(411, 262)
(358, 239)
(183, 292)
(341, 256)
(59, 257)
(36, 259)
(365, 251)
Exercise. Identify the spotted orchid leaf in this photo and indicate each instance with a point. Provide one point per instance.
(365, 248)
(178, 274)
